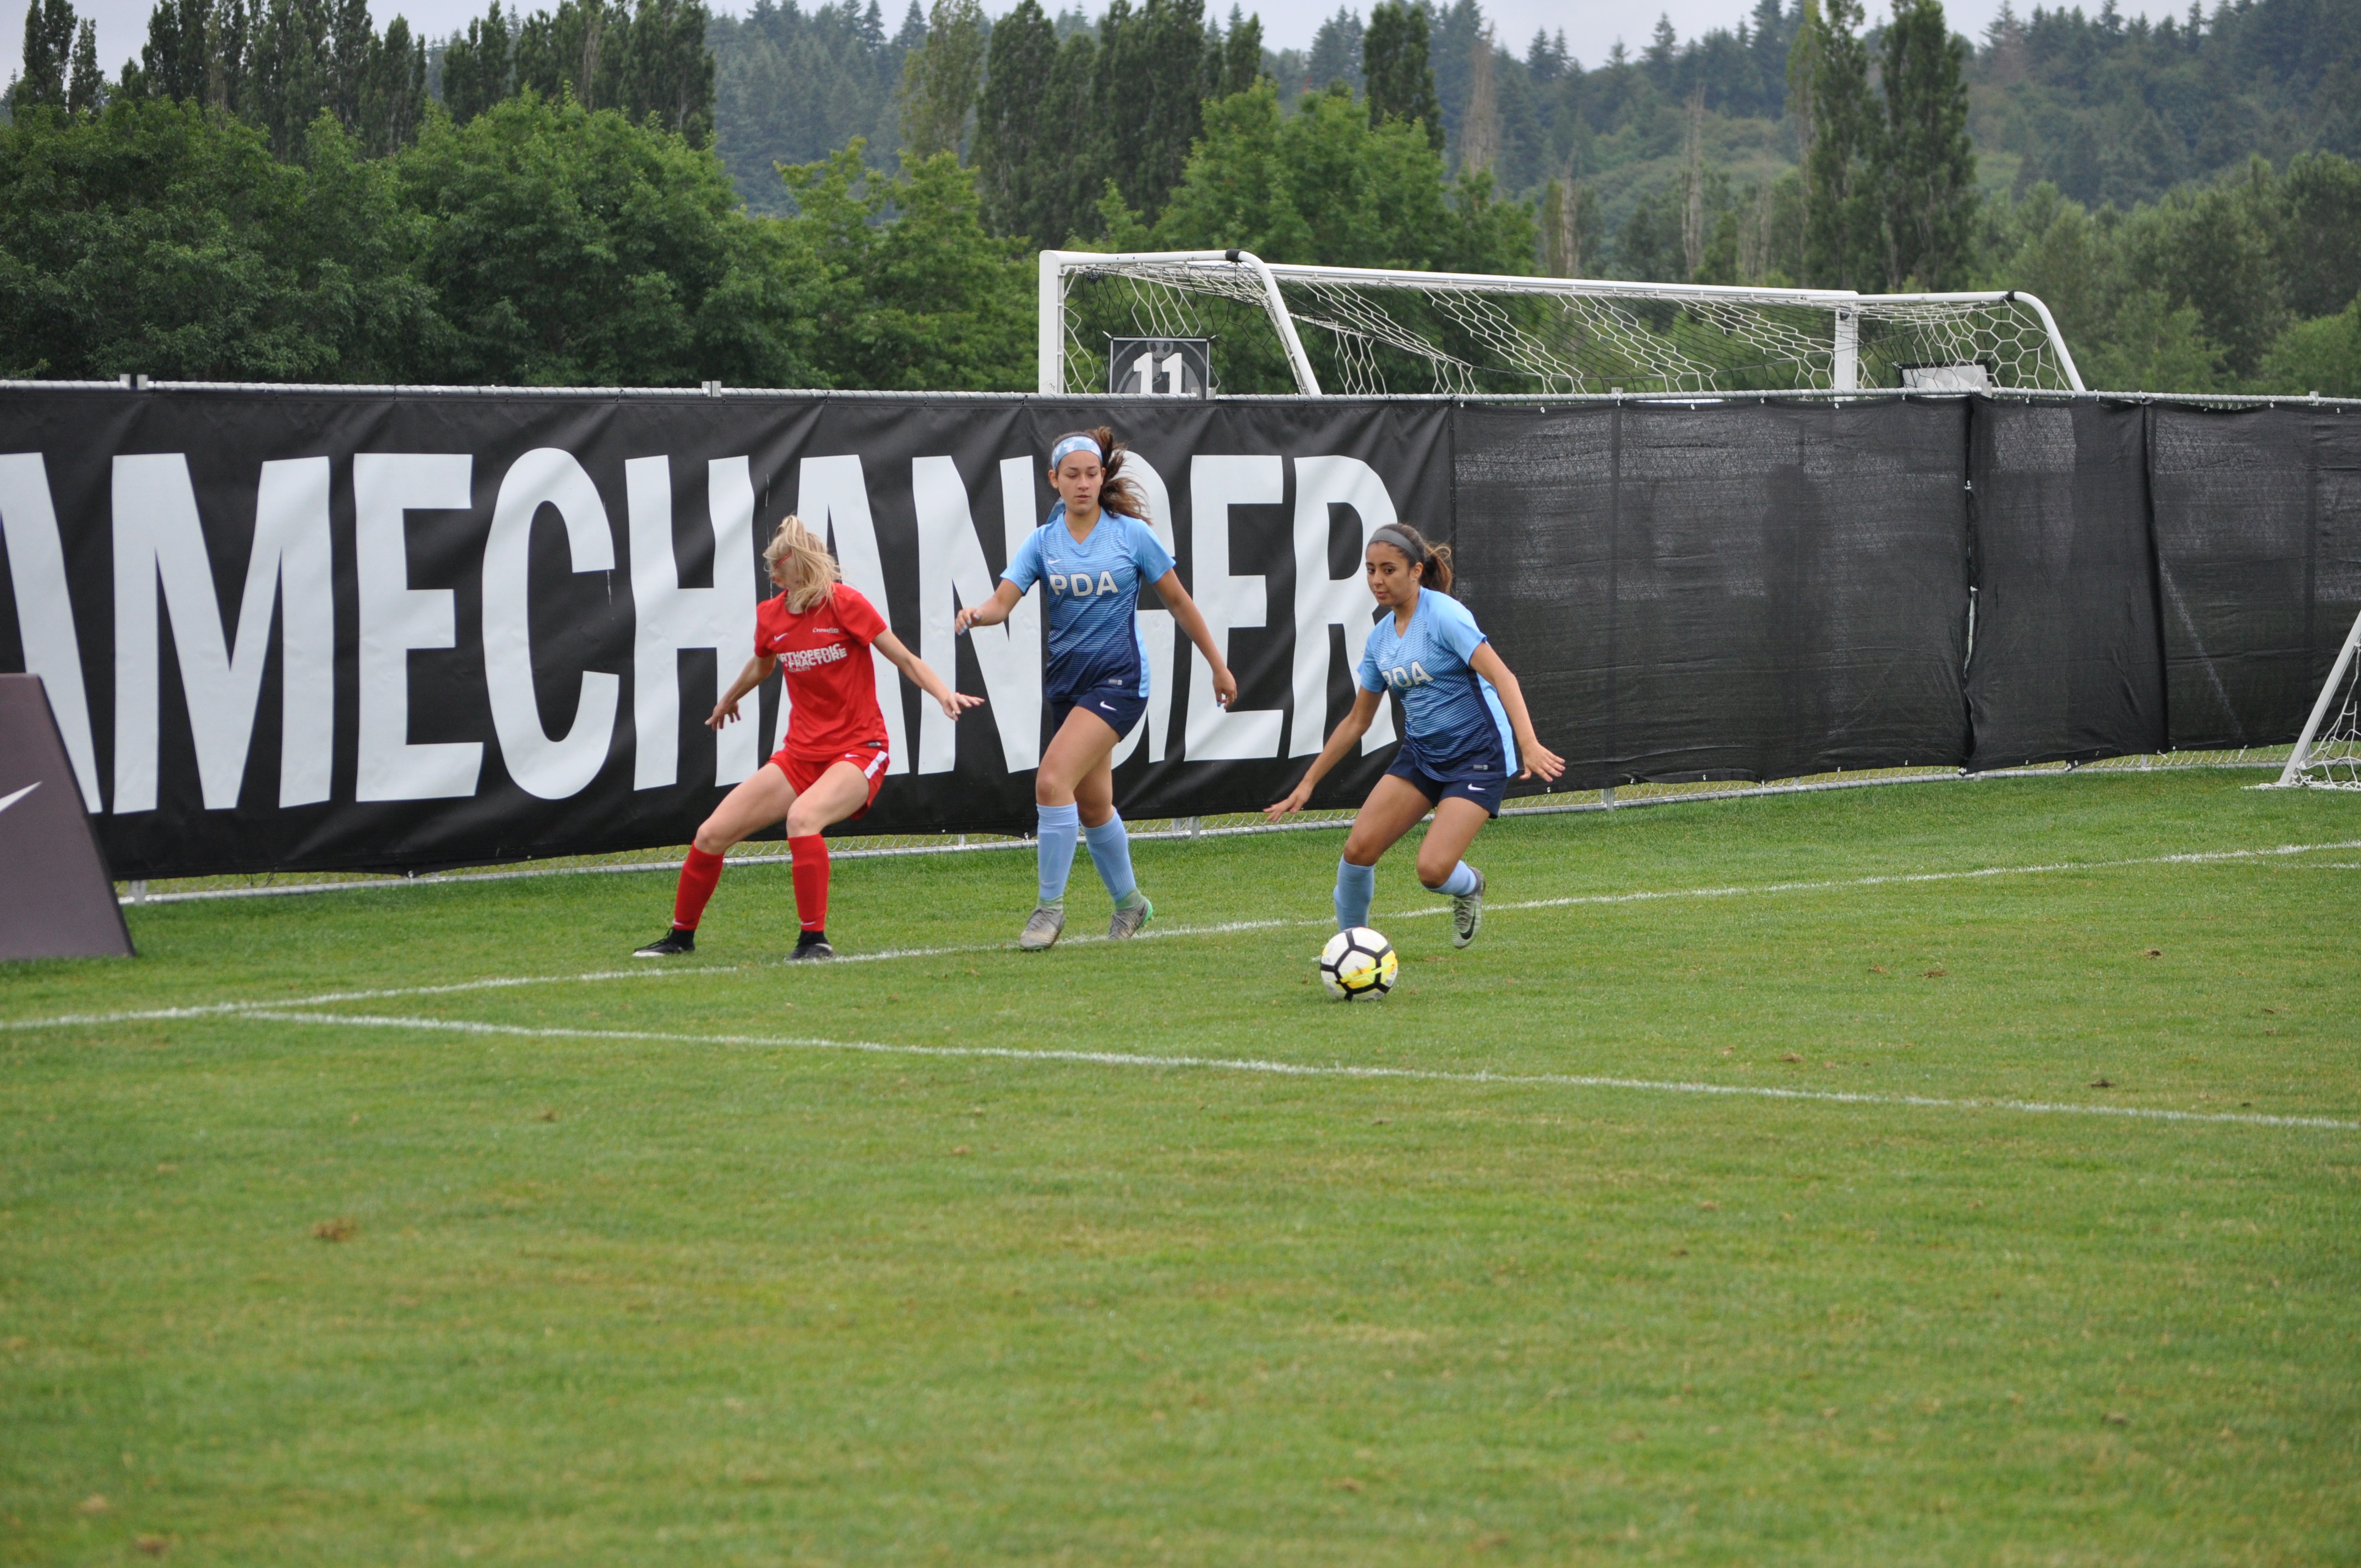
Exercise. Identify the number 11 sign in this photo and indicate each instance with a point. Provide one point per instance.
(1159, 366)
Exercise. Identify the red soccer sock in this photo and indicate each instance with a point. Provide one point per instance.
(811, 852)
(696, 878)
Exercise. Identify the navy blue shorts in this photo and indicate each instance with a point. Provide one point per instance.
(1486, 789)
(1118, 706)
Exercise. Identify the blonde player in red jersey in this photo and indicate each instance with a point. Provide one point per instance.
(819, 632)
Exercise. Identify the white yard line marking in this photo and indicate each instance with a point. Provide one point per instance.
(653, 969)
(1285, 1069)
(2210, 857)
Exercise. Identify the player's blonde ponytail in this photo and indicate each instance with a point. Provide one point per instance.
(801, 564)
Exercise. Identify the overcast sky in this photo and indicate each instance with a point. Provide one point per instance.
(1590, 28)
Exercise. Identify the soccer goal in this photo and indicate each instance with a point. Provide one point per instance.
(1308, 330)
(2328, 753)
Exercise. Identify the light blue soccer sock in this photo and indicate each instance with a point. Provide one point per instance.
(1460, 882)
(1110, 852)
(1355, 887)
(1060, 825)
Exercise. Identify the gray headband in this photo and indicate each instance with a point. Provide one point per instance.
(1389, 534)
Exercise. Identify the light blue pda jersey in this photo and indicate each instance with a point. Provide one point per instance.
(1452, 719)
(1093, 590)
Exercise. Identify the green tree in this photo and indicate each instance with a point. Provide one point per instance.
(86, 86)
(1395, 65)
(928, 301)
(176, 60)
(939, 80)
(2317, 238)
(2320, 355)
(286, 76)
(476, 66)
(49, 45)
(2209, 250)
(1842, 240)
(1927, 167)
(669, 72)
(1023, 144)
(1241, 57)
(1147, 96)
(158, 237)
(569, 246)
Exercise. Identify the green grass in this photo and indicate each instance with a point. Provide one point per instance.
(744, 1298)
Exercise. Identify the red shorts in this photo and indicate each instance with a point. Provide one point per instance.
(805, 771)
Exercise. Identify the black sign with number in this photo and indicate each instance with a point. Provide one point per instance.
(1160, 366)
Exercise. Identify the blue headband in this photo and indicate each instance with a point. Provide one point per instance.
(1072, 444)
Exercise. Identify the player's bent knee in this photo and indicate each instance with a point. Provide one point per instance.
(712, 840)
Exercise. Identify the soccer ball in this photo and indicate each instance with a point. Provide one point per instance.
(1358, 964)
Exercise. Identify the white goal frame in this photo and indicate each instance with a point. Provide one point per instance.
(2299, 761)
(1241, 274)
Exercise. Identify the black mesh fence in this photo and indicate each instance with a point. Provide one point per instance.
(2066, 664)
(2258, 557)
(1725, 591)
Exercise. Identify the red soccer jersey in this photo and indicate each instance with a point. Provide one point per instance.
(831, 681)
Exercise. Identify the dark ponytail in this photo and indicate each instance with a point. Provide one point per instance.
(1434, 559)
(1118, 494)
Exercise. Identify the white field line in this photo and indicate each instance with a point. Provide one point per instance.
(654, 969)
(1284, 1069)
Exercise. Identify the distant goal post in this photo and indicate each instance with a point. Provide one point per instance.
(1360, 330)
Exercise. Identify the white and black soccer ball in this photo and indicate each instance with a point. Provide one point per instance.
(1359, 965)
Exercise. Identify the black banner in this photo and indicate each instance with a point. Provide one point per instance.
(2068, 664)
(317, 630)
(1728, 591)
(340, 630)
(2258, 557)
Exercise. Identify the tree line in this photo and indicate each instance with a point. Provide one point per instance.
(1153, 125)
(280, 64)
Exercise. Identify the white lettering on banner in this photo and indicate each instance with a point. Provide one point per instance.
(1156, 626)
(668, 618)
(45, 623)
(560, 768)
(832, 498)
(397, 617)
(159, 541)
(1323, 601)
(951, 572)
(1215, 485)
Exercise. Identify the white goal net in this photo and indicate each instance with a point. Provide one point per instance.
(2328, 755)
(1313, 330)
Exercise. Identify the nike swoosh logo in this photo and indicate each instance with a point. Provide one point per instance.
(8, 800)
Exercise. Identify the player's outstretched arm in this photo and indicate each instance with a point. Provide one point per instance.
(1347, 735)
(757, 671)
(992, 612)
(922, 675)
(1192, 621)
(1538, 758)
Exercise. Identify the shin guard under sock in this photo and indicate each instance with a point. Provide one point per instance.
(1060, 827)
(1355, 887)
(1111, 853)
(810, 856)
(697, 876)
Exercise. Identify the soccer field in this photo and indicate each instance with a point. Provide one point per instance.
(1956, 1173)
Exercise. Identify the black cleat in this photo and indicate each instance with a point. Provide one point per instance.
(675, 943)
(811, 945)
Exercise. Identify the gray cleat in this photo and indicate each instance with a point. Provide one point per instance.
(1468, 913)
(1127, 922)
(1042, 931)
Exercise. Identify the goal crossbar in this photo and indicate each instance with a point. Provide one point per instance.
(1244, 277)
